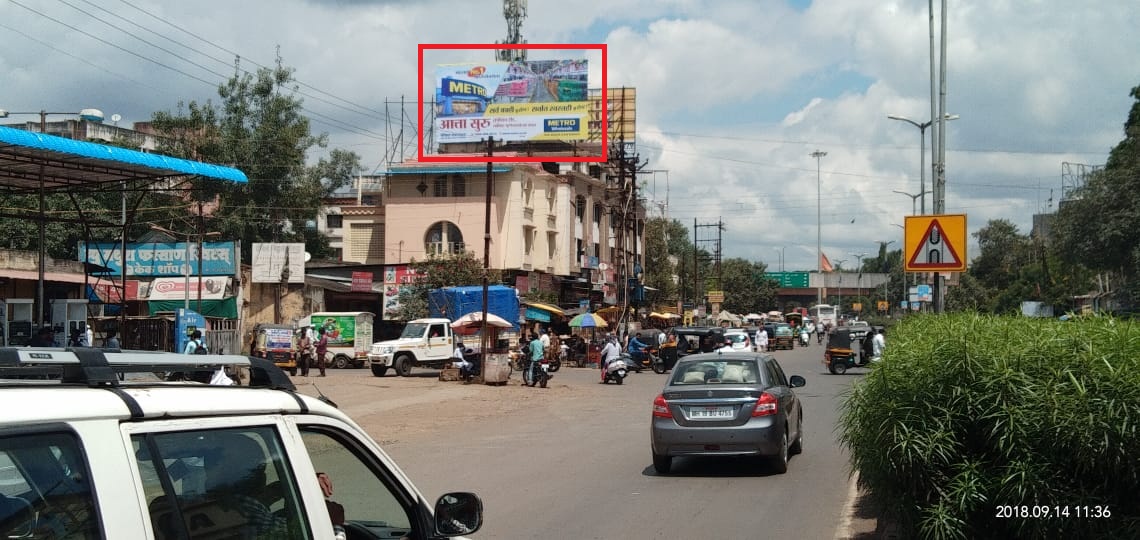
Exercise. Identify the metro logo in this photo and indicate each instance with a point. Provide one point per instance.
(464, 88)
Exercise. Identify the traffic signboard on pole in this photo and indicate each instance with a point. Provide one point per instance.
(935, 243)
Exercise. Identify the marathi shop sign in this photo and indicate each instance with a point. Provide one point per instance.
(527, 100)
(160, 259)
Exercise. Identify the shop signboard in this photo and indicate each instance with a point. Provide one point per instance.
(361, 282)
(524, 100)
(155, 259)
(210, 288)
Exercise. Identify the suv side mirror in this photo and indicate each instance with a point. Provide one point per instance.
(796, 381)
(458, 514)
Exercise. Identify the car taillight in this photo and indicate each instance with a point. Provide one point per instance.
(661, 408)
(765, 406)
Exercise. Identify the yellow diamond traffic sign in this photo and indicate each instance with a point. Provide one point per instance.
(935, 243)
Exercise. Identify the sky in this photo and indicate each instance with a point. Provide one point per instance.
(733, 96)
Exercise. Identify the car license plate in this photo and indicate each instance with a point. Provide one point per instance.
(711, 413)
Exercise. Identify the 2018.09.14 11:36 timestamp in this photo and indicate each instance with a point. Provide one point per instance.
(1041, 511)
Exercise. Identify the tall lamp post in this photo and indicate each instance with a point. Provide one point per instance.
(913, 198)
(859, 269)
(818, 155)
(922, 151)
(90, 115)
(906, 289)
(780, 250)
(883, 250)
(839, 302)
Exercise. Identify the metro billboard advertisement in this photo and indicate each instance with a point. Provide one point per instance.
(526, 100)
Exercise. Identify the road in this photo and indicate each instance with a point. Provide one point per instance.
(574, 459)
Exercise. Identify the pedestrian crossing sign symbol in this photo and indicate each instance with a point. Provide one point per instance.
(935, 243)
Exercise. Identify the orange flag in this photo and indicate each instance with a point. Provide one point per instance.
(825, 264)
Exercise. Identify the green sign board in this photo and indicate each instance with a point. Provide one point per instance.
(789, 280)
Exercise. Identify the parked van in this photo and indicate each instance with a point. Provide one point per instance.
(349, 334)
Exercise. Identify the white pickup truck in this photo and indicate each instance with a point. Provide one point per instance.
(424, 343)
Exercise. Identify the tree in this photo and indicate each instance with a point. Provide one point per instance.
(259, 127)
(745, 287)
(659, 267)
(1002, 251)
(1095, 225)
(437, 272)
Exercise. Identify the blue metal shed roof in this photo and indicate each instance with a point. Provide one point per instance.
(67, 162)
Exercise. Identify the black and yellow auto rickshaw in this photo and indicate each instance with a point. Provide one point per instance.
(276, 343)
(843, 345)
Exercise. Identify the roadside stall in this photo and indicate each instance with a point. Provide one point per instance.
(593, 322)
(493, 365)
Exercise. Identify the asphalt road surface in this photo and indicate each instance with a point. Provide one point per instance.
(573, 460)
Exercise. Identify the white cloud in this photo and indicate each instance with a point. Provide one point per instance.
(732, 94)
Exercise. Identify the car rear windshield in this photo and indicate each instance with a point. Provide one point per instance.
(716, 372)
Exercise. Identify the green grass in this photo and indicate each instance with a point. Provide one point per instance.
(969, 412)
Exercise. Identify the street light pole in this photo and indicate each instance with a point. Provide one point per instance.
(922, 151)
(913, 198)
(839, 302)
(93, 115)
(906, 289)
(859, 269)
(818, 155)
(781, 251)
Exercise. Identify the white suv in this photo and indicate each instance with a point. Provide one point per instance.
(94, 445)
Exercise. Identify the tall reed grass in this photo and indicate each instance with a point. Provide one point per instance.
(968, 414)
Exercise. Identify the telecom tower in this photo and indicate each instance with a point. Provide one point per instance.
(514, 11)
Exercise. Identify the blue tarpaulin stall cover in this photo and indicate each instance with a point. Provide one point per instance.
(455, 302)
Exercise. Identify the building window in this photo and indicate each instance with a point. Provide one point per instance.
(458, 185)
(597, 214)
(334, 221)
(581, 209)
(365, 242)
(444, 238)
(439, 186)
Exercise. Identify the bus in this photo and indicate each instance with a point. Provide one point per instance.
(823, 314)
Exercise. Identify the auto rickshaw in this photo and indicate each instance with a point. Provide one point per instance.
(782, 337)
(276, 343)
(843, 344)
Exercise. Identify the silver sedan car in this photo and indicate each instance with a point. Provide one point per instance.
(728, 404)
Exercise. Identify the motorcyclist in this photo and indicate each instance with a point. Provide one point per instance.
(636, 349)
(610, 353)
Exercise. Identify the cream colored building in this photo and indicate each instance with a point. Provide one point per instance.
(546, 222)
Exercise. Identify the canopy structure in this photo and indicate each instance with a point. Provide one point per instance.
(32, 163)
(547, 307)
(28, 158)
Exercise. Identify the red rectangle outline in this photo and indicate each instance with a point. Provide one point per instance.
(443, 158)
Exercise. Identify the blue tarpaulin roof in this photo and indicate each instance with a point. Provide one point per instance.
(455, 302)
(27, 158)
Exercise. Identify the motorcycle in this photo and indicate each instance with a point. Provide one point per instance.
(804, 338)
(539, 374)
(616, 371)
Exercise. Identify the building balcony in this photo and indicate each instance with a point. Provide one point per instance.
(446, 248)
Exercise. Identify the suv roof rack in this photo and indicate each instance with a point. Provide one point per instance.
(103, 367)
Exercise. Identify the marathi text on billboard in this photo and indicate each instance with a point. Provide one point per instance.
(528, 100)
(162, 258)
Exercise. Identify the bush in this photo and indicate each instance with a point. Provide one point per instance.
(969, 413)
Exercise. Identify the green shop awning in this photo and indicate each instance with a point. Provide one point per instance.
(225, 308)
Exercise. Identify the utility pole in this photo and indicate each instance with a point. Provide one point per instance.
(818, 155)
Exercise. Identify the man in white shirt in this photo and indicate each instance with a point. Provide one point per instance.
(878, 344)
(610, 353)
(459, 361)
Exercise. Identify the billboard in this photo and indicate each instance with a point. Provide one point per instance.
(278, 263)
(524, 100)
(621, 114)
(162, 258)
